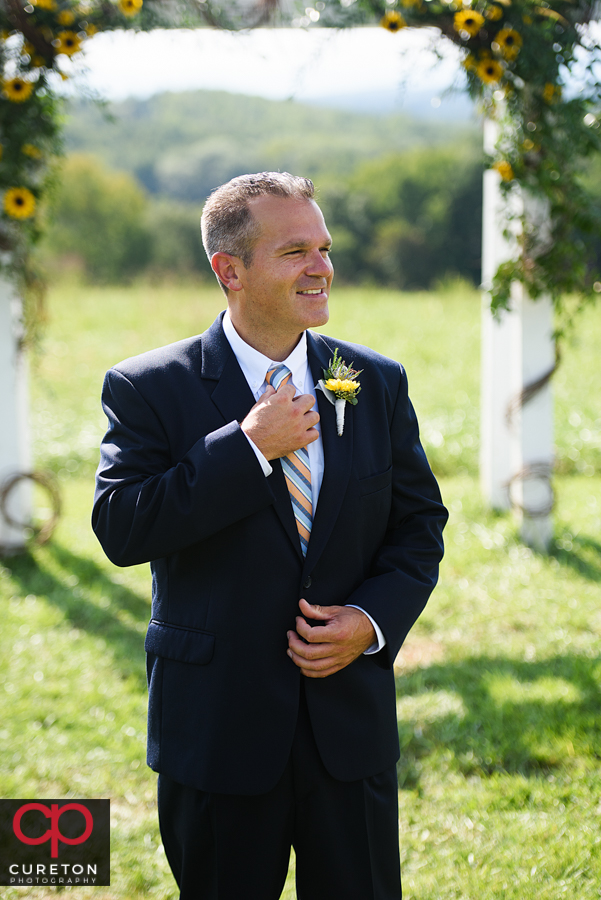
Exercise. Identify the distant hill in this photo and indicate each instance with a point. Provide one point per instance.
(434, 105)
(183, 145)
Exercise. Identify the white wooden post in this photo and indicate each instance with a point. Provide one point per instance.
(498, 387)
(516, 459)
(14, 429)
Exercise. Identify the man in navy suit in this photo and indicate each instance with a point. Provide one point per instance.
(272, 718)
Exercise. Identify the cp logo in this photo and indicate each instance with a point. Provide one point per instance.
(54, 812)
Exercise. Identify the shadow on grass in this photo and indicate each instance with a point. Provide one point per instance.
(499, 715)
(118, 616)
(584, 557)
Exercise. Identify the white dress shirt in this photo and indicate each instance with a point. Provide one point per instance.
(254, 367)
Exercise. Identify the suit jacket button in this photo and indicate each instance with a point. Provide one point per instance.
(307, 582)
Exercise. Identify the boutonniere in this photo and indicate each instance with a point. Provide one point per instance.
(340, 385)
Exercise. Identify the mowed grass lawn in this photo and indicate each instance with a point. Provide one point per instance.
(498, 684)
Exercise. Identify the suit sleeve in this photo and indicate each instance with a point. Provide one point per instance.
(145, 506)
(405, 570)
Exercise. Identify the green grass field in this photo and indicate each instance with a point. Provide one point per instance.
(498, 684)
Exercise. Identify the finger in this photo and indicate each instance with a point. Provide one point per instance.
(310, 419)
(287, 389)
(306, 401)
(316, 612)
(308, 673)
(269, 392)
(311, 435)
(315, 665)
(308, 651)
(315, 634)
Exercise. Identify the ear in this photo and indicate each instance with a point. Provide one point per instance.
(227, 268)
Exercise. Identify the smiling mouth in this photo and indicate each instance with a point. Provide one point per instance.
(312, 291)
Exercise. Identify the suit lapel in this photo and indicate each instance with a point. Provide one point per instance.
(337, 451)
(233, 398)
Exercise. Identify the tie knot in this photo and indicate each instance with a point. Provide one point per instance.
(278, 375)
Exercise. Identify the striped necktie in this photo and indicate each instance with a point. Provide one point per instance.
(296, 470)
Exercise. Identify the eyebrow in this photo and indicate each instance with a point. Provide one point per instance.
(301, 245)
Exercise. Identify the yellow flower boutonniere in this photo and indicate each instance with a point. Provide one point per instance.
(340, 385)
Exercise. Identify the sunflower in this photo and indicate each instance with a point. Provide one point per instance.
(468, 20)
(504, 169)
(489, 71)
(494, 13)
(392, 21)
(551, 92)
(67, 42)
(32, 151)
(342, 384)
(530, 147)
(65, 17)
(130, 8)
(509, 42)
(19, 203)
(17, 89)
(44, 4)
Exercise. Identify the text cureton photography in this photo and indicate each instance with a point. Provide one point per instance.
(54, 842)
(65, 874)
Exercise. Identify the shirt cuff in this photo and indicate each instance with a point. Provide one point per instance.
(267, 469)
(381, 640)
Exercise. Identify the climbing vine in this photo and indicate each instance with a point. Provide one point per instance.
(532, 66)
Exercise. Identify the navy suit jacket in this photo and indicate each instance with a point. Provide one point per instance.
(180, 486)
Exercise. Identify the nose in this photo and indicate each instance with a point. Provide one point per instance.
(319, 265)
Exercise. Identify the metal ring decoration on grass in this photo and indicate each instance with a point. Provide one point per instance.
(537, 471)
(41, 533)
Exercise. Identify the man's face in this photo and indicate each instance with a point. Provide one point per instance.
(286, 287)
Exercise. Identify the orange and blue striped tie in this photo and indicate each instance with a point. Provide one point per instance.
(296, 470)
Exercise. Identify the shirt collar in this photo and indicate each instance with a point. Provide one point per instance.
(254, 364)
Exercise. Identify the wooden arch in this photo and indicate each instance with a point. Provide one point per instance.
(518, 58)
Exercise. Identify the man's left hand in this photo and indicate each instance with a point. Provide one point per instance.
(344, 633)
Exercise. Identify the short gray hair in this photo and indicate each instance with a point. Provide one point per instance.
(227, 224)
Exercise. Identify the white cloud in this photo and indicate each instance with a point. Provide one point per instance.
(275, 63)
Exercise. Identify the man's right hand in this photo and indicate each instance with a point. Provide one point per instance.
(280, 423)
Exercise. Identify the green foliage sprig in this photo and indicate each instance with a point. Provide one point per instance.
(341, 379)
(519, 56)
(39, 43)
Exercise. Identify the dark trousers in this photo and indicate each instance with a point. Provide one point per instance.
(345, 834)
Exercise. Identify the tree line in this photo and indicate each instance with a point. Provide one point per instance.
(404, 219)
(401, 195)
